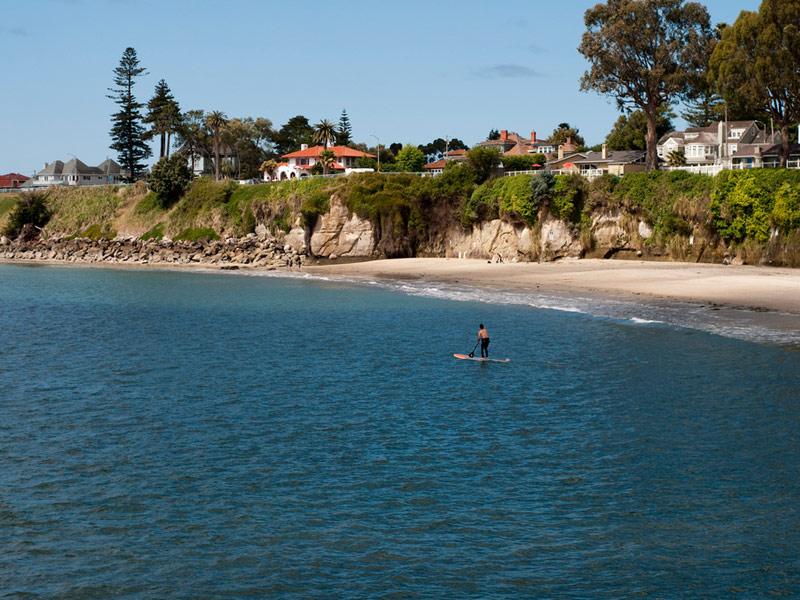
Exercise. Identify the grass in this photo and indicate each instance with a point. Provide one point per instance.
(192, 234)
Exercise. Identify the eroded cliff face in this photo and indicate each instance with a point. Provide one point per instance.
(339, 233)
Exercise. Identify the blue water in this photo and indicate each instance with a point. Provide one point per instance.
(206, 435)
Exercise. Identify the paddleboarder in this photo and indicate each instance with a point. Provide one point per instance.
(483, 338)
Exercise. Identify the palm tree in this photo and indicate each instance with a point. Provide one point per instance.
(215, 121)
(269, 166)
(324, 132)
(326, 158)
(676, 158)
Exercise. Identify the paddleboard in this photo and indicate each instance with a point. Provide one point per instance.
(465, 357)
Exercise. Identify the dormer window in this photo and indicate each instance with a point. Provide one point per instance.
(736, 133)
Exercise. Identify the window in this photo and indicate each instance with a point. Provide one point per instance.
(736, 133)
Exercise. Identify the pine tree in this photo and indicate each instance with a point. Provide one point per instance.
(127, 131)
(164, 116)
(344, 133)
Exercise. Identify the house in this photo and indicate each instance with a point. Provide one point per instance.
(298, 164)
(12, 180)
(718, 143)
(591, 164)
(201, 161)
(437, 167)
(77, 173)
(754, 156)
(513, 144)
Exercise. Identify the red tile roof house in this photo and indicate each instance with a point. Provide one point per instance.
(513, 144)
(298, 164)
(12, 180)
(437, 167)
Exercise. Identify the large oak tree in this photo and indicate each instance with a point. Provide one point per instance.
(646, 54)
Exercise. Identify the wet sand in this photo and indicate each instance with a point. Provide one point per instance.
(758, 288)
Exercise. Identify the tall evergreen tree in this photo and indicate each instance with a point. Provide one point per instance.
(127, 131)
(344, 132)
(163, 116)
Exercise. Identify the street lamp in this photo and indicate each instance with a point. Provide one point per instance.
(379, 149)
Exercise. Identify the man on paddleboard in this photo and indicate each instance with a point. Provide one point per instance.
(483, 338)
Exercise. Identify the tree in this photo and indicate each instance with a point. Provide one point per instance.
(192, 136)
(410, 159)
(327, 159)
(127, 131)
(395, 148)
(324, 133)
(269, 166)
(645, 53)
(676, 158)
(295, 132)
(436, 149)
(261, 133)
(757, 60)
(164, 116)
(215, 121)
(705, 106)
(169, 178)
(29, 215)
(565, 132)
(493, 135)
(344, 133)
(484, 160)
(630, 131)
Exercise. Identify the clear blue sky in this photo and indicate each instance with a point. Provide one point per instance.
(405, 71)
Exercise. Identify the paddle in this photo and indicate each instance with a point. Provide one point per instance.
(472, 354)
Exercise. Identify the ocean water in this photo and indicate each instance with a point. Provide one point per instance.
(214, 435)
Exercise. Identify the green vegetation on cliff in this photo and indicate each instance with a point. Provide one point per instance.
(755, 213)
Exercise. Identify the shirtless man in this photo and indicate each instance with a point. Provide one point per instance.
(483, 338)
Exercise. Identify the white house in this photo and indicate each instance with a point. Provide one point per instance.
(717, 143)
(298, 164)
(76, 172)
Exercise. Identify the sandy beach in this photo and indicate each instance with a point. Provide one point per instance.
(759, 288)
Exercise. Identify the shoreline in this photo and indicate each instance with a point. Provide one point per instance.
(744, 287)
(760, 289)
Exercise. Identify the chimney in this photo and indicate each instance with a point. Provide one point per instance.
(45, 166)
(569, 141)
(560, 151)
(533, 135)
(604, 151)
(504, 135)
(303, 146)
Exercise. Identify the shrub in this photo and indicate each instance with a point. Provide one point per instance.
(484, 161)
(410, 159)
(785, 214)
(567, 197)
(30, 209)
(169, 178)
(96, 232)
(315, 204)
(156, 233)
